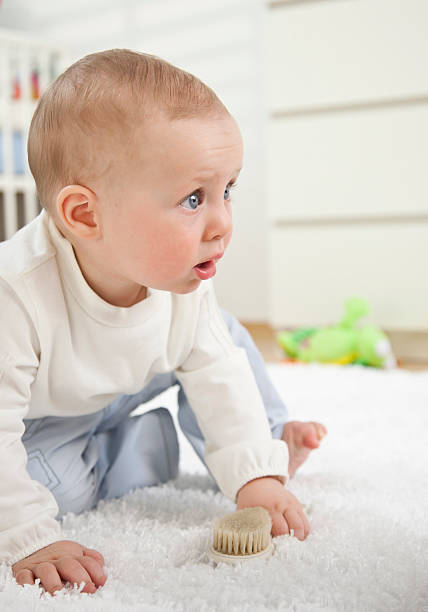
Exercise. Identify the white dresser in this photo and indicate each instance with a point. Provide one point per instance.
(347, 160)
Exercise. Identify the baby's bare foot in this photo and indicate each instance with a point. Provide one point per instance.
(301, 437)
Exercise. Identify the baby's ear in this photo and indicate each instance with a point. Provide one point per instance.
(77, 209)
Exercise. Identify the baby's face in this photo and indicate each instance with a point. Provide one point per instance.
(170, 208)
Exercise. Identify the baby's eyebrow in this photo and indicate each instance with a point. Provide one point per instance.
(202, 178)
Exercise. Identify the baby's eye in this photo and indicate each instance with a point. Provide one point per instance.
(227, 194)
(194, 199)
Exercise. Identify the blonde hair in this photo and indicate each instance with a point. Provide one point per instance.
(98, 102)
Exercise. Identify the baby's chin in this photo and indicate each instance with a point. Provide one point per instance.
(181, 288)
(192, 286)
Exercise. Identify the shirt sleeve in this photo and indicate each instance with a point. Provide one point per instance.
(27, 508)
(220, 386)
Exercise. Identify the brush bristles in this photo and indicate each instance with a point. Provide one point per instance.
(244, 532)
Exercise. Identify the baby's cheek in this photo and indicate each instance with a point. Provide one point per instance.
(182, 257)
(172, 251)
(171, 259)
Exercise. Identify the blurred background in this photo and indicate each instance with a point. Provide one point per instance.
(332, 100)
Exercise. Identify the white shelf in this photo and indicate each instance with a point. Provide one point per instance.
(16, 182)
(21, 57)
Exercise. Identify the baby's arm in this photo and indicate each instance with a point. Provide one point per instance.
(220, 386)
(29, 533)
(284, 508)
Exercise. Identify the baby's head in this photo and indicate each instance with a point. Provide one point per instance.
(134, 158)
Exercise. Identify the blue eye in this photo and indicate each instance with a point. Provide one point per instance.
(228, 190)
(194, 198)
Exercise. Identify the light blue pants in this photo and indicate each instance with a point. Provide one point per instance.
(106, 454)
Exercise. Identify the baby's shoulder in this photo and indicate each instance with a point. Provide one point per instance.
(25, 264)
(25, 251)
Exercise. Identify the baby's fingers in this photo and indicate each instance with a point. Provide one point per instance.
(94, 569)
(70, 569)
(279, 524)
(25, 576)
(296, 523)
(49, 577)
(91, 552)
(306, 524)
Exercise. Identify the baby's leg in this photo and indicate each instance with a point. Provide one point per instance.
(141, 450)
(62, 456)
(276, 411)
(105, 454)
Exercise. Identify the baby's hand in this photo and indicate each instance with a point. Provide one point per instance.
(284, 508)
(64, 560)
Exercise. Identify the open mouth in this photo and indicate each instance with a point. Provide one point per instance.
(205, 265)
(205, 270)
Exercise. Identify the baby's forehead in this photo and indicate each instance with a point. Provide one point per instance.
(203, 137)
(171, 158)
(179, 153)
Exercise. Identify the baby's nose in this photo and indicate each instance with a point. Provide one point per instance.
(220, 224)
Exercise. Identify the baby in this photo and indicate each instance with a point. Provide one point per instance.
(104, 307)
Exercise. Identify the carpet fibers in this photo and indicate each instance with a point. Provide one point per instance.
(365, 491)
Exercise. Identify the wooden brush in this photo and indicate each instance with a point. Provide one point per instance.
(242, 535)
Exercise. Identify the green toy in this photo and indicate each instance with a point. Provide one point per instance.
(343, 343)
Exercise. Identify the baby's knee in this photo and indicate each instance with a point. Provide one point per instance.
(72, 482)
(77, 498)
(143, 451)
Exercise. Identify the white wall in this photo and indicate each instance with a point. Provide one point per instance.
(220, 42)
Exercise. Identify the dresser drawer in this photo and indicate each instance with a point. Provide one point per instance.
(314, 269)
(357, 164)
(328, 52)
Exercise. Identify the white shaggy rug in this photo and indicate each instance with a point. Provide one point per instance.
(365, 492)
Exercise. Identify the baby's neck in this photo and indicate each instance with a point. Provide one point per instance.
(110, 291)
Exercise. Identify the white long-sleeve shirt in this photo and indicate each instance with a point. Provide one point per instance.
(64, 351)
